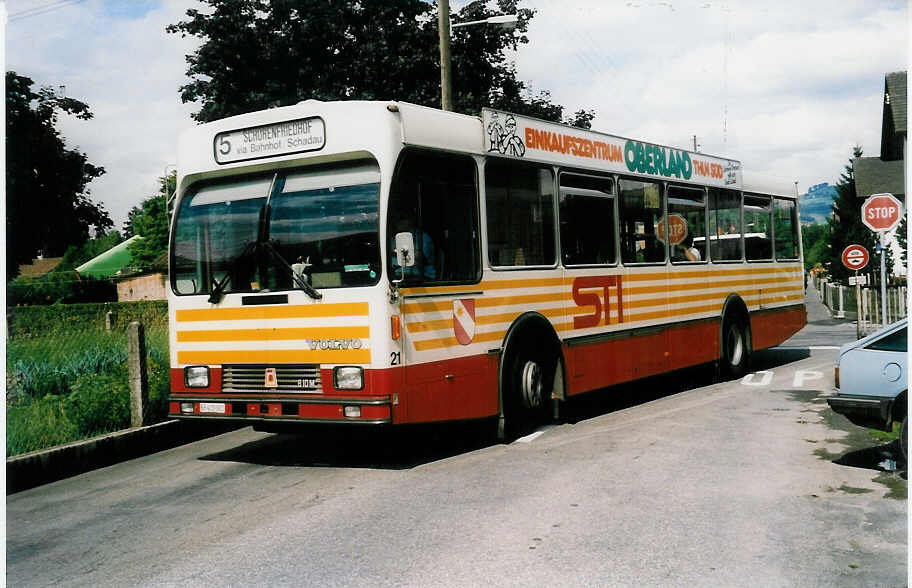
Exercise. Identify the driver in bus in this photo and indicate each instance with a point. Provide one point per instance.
(424, 258)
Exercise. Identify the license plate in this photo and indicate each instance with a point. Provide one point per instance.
(212, 408)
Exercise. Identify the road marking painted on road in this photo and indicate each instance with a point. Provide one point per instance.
(533, 436)
(802, 376)
(807, 348)
(765, 380)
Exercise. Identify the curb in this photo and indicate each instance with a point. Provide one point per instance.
(49, 465)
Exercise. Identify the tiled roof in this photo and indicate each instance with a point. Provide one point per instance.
(896, 89)
(39, 267)
(875, 176)
(894, 127)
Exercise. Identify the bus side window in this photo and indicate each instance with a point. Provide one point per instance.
(640, 212)
(758, 241)
(434, 196)
(724, 225)
(520, 210)
(587, 224)
(785, 228)
(688, 242)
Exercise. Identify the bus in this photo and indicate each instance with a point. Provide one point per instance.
(382, 263)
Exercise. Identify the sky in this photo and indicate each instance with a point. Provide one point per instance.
(786, 87)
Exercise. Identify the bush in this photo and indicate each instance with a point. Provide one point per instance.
(38, 366)
(100, 403)
(38, 423)
(52, 320)
(59, 288)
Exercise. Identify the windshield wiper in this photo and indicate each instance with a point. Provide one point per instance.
(219, 288)
(300, 281)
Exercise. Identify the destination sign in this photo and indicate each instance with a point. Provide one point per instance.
(284, 138)
(516, 136)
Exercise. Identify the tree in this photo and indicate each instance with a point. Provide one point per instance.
(47, 201)
(815, 239)
(845, 226)
(150, 222)
(259, 54)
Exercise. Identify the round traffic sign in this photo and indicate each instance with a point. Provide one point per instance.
(855, 257)
(881, 212)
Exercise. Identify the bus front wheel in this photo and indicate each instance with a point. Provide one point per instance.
(527, 381)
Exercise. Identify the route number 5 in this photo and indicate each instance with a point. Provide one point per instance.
(224, 146)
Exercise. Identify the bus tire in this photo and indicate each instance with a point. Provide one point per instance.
(735, 346)
(527, 374)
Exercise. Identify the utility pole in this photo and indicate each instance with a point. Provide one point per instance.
(696, 145)
(443, 20)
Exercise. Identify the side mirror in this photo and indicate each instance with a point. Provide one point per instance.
(405, 257)
(405, 250)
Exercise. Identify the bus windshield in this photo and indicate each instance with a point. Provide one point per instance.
(269, 233)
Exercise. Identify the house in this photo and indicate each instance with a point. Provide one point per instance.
(115, 260)
(887, 173)
(147, 285)
(39, 267)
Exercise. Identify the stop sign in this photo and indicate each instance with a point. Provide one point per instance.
(855, 257)
(881, 212)
(677, 229)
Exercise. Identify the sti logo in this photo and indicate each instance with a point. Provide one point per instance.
(585, 297)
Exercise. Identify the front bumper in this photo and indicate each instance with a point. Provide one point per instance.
(864, 411)
(287, 409)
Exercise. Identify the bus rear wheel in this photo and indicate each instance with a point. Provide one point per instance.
(735, 347)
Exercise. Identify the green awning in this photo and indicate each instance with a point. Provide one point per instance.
(110, 262)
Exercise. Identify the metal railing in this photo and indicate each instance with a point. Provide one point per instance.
(863, 304)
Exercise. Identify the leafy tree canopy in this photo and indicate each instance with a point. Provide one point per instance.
(47, 201)
(815, 239)
(259, 54)
(150, 221)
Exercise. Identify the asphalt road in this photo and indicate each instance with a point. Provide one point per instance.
(671, 481)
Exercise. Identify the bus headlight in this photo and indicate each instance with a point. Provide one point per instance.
(348, 378)
(196, 376)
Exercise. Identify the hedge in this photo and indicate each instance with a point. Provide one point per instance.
(42, 320)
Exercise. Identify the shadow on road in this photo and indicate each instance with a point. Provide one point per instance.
(599, 402)
(396, 449)
(343, 447)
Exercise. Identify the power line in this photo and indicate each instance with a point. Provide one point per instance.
(36, 10)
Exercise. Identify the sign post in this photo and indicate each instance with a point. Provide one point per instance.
(856, 257)
(881, 213)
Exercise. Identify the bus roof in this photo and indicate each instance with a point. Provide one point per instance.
(335, 128)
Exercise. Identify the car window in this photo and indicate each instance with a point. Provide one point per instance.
(893, 342)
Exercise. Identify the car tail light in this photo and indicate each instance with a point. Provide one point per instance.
(836, 376)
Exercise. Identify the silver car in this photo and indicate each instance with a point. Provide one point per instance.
(871, 380)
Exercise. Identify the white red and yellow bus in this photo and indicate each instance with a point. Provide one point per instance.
(539, 262)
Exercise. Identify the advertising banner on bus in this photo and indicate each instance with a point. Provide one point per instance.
(519, 137)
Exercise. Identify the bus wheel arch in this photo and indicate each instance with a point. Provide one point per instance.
(735, 338)
(531, 361)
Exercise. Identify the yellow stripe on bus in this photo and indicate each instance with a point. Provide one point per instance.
(629, 319)
(353, 356)
(273, 312)
(674, 273)
(423, 326)
(283, 334)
